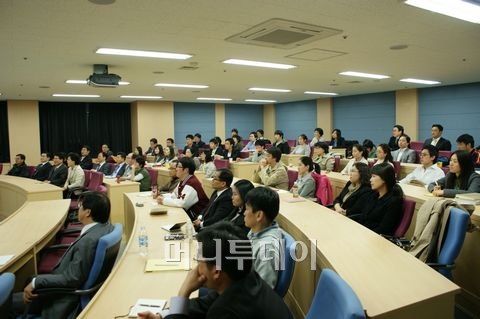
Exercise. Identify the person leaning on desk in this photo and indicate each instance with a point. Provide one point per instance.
(461, 178)
(238, 292)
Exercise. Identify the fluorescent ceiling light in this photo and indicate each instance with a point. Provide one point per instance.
(260, 101)
(419, 81)
(213, 99)
(85, 82)
(454, 8)
(260, 64)
(141, 97)
(365, 75)
(319, 93)
(269, 90)
(146, 54)
(75, 95)
(173, 85)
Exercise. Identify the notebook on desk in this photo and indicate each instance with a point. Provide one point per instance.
(153, 305)
(173, 227)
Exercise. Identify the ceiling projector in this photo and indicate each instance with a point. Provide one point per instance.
(101, 77)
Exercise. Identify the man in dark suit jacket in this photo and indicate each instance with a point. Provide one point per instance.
(236, 290)
(85, 159)
(220, 204)
(102, 166)
(437, 140)
(120, 167)
(74, 266)
(59, 172)
(397, 131)
(43, 169)
(19, 168)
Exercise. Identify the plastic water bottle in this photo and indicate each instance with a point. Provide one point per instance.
(295, 190)
(143, 242)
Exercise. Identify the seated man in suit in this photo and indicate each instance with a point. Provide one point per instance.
(19, 168)
(43, 169)
(59, 172)
(102, 165)
(86, 160)
(465, 142)
(153, 145)
(74, 266)
(106, 150)
(190, 145)
(197, 141)
(437, 140)
(236, 290)
(261, 136)
(220, 204)
(397, 131)
(229, 153)
(271, 171)
(119, 169)
(189, 194)
(404, 154)
(215, 147)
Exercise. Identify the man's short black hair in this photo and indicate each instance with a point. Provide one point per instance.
(198, 135)
(278, 132)
(235, 249)
(214, 141)
(122, 155)
(48, 154)
(153, 140)
(188, 162)
(319, 130)
(276, 153)
(322, 145)
(103, 154)
(439, 126)
(260, 131)
(74, 157)
(400, 128)
(466, 139)
(406, 137)
(22, 156)
(264, 199)
(140, 160)
(234, 130)
(99, 205)
(171, 140)
(260, 142)
(230, 140)
(432, 150)
(60, 155)
(225, 175)
(190, 136)
(87, 148)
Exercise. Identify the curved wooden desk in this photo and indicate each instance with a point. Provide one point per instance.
(15, 191)
(27, 231)
(128, 281)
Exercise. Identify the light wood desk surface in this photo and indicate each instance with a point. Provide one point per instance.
(290, 159)
(389, 282)
(15, 191)
(243, 170)
(27, 231)
(115, 192)
(128, 281)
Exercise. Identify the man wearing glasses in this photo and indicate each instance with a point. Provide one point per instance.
(189, 193)
(428, 172)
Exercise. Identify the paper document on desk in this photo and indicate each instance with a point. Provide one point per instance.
(153, 305)
(5, 259)
(164, 265)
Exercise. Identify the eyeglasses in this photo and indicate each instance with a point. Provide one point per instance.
(178, 166)
(217, 179)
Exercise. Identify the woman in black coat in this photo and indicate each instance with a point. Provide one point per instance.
(239, 191)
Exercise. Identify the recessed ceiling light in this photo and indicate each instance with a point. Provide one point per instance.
(260, 101)
(85, 82)
(270, 90)
(141, 97)
(260, 64)
(75, 95)
(459, 9)
(419, 81)
(173, 85)
(213, 99)
(320, 93)
(145, 54)
(364, 75)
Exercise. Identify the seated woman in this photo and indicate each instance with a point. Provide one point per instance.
(322, 157)
(356, 191)
(189, 154)
(141, 174)
(382, 211)
(370, 147)
(157, 154)
(461, 178)
(384, 155)
(239, 192)
(302, 147)
(237, 143)
(305, 182)
(337, 139)
(317, 137)
(359, 155)
(138, 151)
(168, 156)
(207, 165)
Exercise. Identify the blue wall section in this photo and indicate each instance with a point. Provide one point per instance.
(244, 117)
(191, 118)
(456, 107)
(295, 118)
(364, 116)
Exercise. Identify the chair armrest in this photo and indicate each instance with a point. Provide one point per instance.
(55, 247)
(444, 266)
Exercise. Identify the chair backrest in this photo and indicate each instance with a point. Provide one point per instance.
(221, 163)
(396, 168)
(268, 146)
(453, 239)
(292, 177)
(31, 170)
(291, 143)
(445, 169)
(105, 256)
(96, 179)
(407, 214)
(336, 164)
(416, 145)
(1, 168)
(323, 189)
(153, 175)
(87, 173)
(7, 281)
(334, 299)
(244, 154)
(288, 255)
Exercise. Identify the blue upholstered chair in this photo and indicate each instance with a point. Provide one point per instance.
(7, 281)
(452, 241)
(334, 299)
(285, 274)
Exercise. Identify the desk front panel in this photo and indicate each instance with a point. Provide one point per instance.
(115, 192)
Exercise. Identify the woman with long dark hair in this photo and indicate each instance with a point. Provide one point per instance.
(382, 211)
(305, 182)
(359, 154)
(239, 192)
(461, 178)
(384, 155)
(337, 139)
(356, 191)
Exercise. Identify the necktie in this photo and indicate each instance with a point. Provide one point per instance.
(210, 203)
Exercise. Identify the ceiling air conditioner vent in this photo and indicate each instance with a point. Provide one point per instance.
(283, 34)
